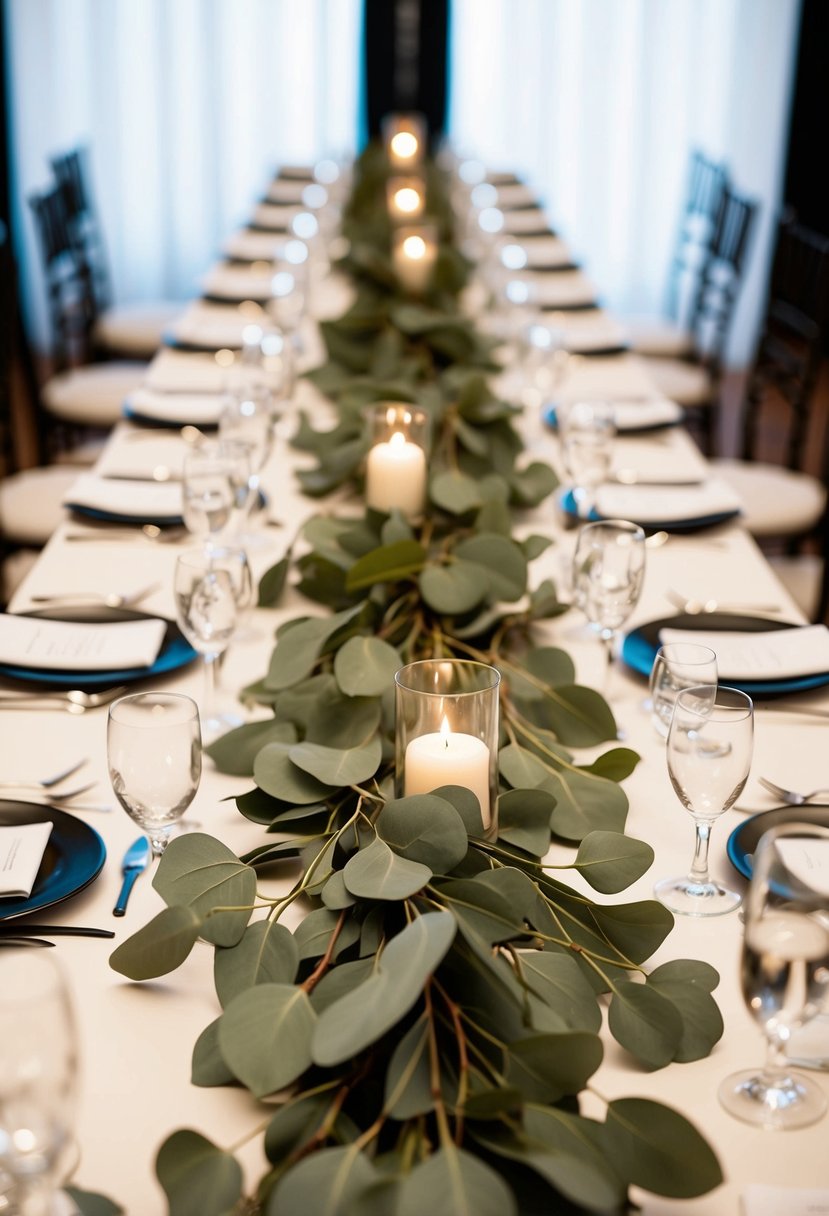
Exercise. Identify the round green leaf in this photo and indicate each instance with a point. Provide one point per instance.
(453, 589)
(455, 492)
(365, 667)
(335, 766)
(236, 751)
(160, 947)
(376, 872)
(503, 561)
(265, 1036)
(386, 564)
(546, 1067)
(645, 1022)
(452, 1182)
(198, 1178)
(323, 1184)
(276, 774)
(203, 873)
(408, 1090)
(267, 953)
(207, 1067)
(655, 1147)
(611, 862)
(424, 828)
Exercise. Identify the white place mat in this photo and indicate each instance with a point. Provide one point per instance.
(254, 246)
(561, 288)
(21, 851)
(778, 654)
(274, 216)
(176, 371)
(198, 409)
(652, 504)
(238, 283)
(784, 1201)
(140, 500)
(29, 641)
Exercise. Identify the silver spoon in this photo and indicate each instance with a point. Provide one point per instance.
(75, 699)
(162, 536)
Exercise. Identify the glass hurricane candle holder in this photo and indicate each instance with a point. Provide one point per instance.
(446, 730)
(404, 137)
(406, 198)
(414, 251)
(396, 463)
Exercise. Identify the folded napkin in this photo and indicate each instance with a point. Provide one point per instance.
(784, 1201)
(620, 379)
(198, 409)
(636, 462)
(587, 330)
(250, 246)
(775, 654)
(214, 326)
(175, 371)
(515, 194)
(562, 289)
(239, 282)
(157, 458)
(286, 190)
(637, 415)
(532, 220)
(139, 500)
(274, 217)
(544, 251)
(21, 851)
(656, 504)
(33, 641)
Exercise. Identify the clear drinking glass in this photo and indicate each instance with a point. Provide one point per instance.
(678, 665)
(205, 593)
(587, 433)
(247, 418)
(208, 496)
(154, 758)
(608, 570)
(38, 1080)
(710, 742)
(784, 972)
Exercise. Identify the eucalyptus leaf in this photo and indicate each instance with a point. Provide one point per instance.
(208, 1067)
(376, 872)
(267, 953)
(578, 716)
(160, 946)
(313, 933)
(655, 1147)
(90, 1203)
(235, 751)
(524, 819)
(197, 870)
(272, 582)
(455, 492)
(645, 1022)
(611, 861)
(275, 772)
(334, 894)
(546, 1067)
(586, 804)
(408, 1086)
(323, 1184)
(296, 654)
(557, 980)
(265, 1036)
(386, 564)
(424, 828)
(453, 589)
(453, 1182)
(466, 804)
(702, 1023)
(340, 980)
(615, 765)
(503, 560)
(198, 1178)
(364, 667)
(335, 766)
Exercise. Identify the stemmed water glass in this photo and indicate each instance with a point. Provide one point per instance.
(710, 742)
(247, 419)
(154, 758)
(206, 587)
(678, 665)
(587, 432)
(208, 493)
(784, 972)
(38, 1080)
(608, 570)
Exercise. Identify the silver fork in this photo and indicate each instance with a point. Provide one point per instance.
(109, 600)
(792, 797)
(74, 700)
(161, 536)
(45, 783)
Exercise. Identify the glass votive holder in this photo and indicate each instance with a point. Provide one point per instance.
(405, 198)
(414, 251)
(446, 730)
(396, 463)
(404, 137)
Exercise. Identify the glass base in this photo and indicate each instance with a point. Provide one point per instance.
(689, 898)
(775, 1101)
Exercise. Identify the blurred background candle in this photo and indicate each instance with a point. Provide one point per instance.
(396, 465)
(406, 198)
(413, 255)
(446, 730)
(405, 139)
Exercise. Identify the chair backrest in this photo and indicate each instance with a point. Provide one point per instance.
(7, 447)
(68, 284)
(721, 279)
(705, 195)
(792, 339)
(72, 175)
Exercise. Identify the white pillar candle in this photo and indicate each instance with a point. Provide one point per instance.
(404, 149)
(448, 757)
(396, 476)
(413, 257)
(406, 198)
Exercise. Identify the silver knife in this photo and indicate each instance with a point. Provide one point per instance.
(134, 863)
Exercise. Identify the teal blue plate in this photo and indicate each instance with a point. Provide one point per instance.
(73, 858)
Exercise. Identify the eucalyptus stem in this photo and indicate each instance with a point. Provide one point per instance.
(434, 1069)
(325, 962)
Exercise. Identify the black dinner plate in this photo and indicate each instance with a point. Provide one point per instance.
(641, 644)
(118, 517)
(175, 650)
(576, 306)
(549, 413)
(152, 421)
(744, 839)
(694, 523)
(73, 857)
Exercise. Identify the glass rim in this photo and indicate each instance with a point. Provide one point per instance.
(133, 698)
(494, 683)
(692, 662)
(742, 705)
(621, 525)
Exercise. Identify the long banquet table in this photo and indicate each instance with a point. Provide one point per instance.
(136, 1039)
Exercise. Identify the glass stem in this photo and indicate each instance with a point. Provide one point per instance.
(699, 866)
(608, 641)
(210, 667)
(775, 1065)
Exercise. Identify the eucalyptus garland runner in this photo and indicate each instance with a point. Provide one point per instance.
(422, 1038)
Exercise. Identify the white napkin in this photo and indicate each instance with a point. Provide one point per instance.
(285, 190)
(560, 288)
(778, 654)
(638, 462)
(808, 860)
(531, 220)
(634, 415)
(515, 194)
(545, 251)
(30, 641)
(254, 246)
(584, 331)
(198, 409)
(238, 283)
(21, 851)
(784, 1201)
(622, 379)
(214, 326)
(176, 371)
(140, 500)
(653, 504)
(274, 216)
(156, 456)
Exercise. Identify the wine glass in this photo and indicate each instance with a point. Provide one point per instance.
(208, 495)
(710, 742)
(784, 972)
(38, 1079)
(205, 591)
(587, 432)
(608, 570)
(247, 418)
(678, 665)
(154, 758)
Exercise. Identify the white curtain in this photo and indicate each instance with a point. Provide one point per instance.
(187, 107)
(597, 103)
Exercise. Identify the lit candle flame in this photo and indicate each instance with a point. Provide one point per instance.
(397, 440)
(414, 247)
(445, 731)
(404, 145)
(407, 199)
